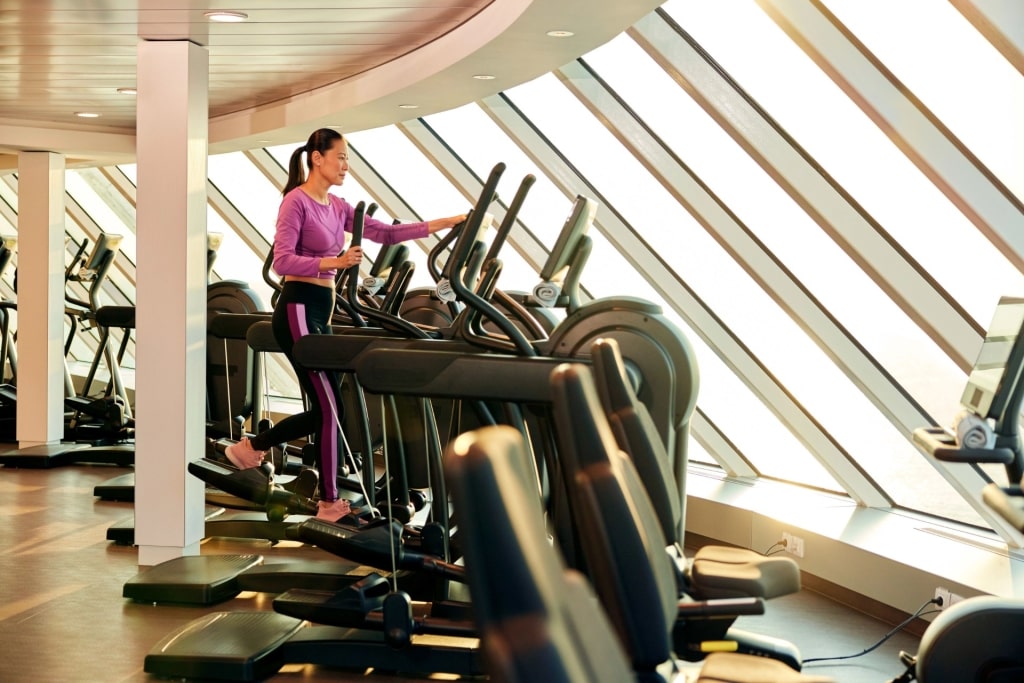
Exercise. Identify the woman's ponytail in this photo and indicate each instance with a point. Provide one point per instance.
(296, 175)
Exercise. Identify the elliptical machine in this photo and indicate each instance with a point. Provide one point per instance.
(982, 638)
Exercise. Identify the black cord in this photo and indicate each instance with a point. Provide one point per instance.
(781, 545)
(896, 629)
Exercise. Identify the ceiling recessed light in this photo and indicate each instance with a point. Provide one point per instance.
(226, 17)
(87, 114)
(560, 34)
(128, 91)
(484, 77)
(408, 106)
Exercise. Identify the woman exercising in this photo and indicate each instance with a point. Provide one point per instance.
(308, 251)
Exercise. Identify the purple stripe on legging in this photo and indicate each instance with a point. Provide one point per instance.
(327, 438)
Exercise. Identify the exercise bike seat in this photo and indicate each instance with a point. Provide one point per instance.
(724, 572)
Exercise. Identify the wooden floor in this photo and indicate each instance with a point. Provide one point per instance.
(62, 617)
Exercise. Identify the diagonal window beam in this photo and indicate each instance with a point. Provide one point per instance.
(266, 164)
(237, 221)
(862, 238)
(836, 461)
(1002, 24)
(933, 148)
(708, 435)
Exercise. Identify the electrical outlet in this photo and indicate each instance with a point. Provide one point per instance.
(794, 544)
(948, 598)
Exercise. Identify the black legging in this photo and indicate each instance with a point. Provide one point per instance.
(302, 309)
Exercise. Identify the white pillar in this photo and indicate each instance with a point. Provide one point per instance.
(170, 375)
(40, 298)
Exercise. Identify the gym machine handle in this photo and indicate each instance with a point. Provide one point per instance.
(941, 445)
(721, 608)
(360, 310)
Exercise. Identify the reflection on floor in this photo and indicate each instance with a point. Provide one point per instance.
(62, 617)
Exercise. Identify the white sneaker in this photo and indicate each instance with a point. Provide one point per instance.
(332, 512)
(243, 456)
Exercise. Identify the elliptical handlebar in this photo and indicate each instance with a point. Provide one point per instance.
(515, 337)
(510, 216)
(358, 307)
(435, 253)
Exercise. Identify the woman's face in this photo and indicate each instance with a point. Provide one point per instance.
(333, 164)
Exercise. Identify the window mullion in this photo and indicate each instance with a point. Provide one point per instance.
(862, 238)
(836, 461)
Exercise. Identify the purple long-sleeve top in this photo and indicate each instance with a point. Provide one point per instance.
(308, 231)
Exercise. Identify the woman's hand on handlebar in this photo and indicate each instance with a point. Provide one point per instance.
(350, 257)
(445, 223)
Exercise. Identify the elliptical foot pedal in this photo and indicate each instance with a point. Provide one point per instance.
(193, 580)
(323, 575)
(43, 456)
(227, 646)
(123, 532)
(346, 608)
(119, 489)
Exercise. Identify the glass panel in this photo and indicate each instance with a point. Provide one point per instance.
(131, 172)
(840, 137)
(764, 207)
(109, 223)
(235, 260)
(248, 190)
(954, 70)
(661, 221)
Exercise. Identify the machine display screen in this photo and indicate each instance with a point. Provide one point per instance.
(999, 362)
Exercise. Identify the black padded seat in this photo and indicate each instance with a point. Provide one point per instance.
(619, 532)
(537, 621)
(724, 572)
(717, 572)
(621, 538)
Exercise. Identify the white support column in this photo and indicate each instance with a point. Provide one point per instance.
(170, 377)
(40, 298)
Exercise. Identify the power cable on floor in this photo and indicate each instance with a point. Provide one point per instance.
(896, 629)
